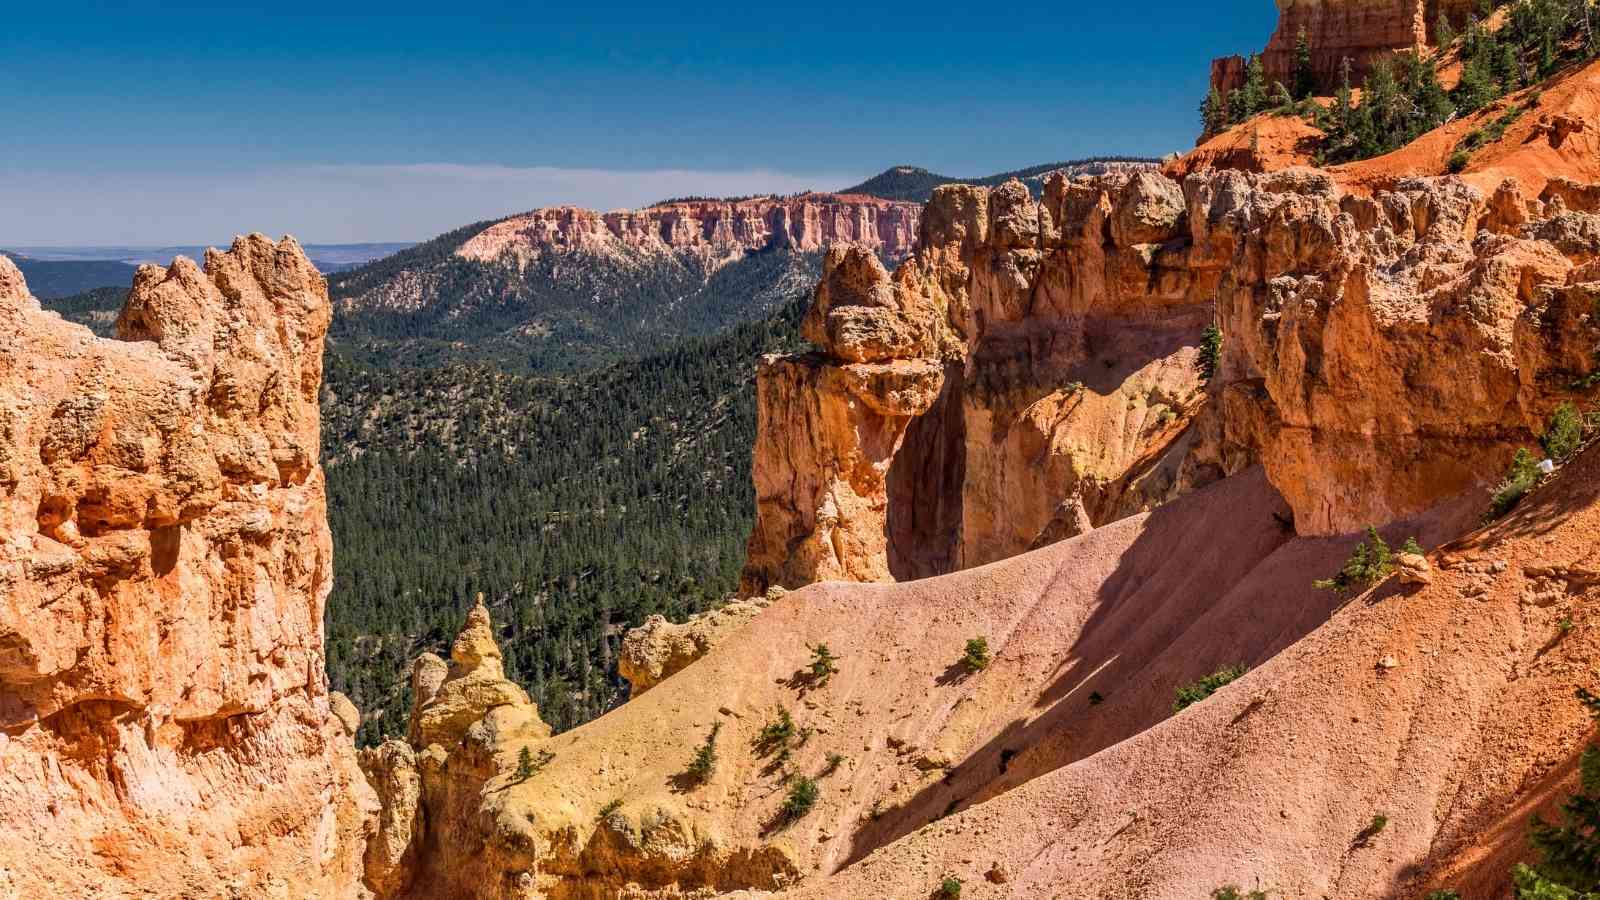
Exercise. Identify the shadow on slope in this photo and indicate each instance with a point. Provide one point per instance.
(1211, 580)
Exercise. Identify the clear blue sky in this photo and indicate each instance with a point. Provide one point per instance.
(394, 121)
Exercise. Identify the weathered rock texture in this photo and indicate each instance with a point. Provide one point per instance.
(1031, 371)
(165, 724)
(806, 222)
(1364, 31)
(658, 649)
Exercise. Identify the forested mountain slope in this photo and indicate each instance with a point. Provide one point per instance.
(916, 184)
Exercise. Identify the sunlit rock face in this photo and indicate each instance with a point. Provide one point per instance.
(165, 722)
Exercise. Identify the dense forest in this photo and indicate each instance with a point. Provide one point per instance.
(578, 505)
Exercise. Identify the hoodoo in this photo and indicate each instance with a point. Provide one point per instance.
(165, 722)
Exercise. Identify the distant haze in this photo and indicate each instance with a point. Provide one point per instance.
(336, 203)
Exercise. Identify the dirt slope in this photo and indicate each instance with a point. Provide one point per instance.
(1128, 612)
(1446, 708)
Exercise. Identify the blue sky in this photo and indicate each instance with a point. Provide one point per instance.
(396, 121)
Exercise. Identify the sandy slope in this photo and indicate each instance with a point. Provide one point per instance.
(1274, 779)
(1130, 612)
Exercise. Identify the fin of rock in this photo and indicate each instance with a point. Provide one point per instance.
(166, 727)
(1035, 369)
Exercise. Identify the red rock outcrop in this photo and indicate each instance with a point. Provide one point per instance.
(1381, 354)
(165, 722)
(1364, 31)
(709, 227)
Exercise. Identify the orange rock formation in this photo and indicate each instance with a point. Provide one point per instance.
(165, 723)
(1031, 371)
(1364, 31)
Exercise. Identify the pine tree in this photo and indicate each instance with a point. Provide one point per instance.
(1570, 869)
(1443, 34)
(1213, 114)
(1304, 77)
(1254, 92)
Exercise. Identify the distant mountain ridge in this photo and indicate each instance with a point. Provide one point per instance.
(563, 288)
(916, 184)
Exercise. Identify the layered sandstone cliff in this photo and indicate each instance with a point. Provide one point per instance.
(165, 722)
(1033, 370)
(707, 227)
(1363, 31)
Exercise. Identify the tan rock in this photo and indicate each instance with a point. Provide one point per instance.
(474, 686)
(1412, 568)
(164, 565)
(658, 649)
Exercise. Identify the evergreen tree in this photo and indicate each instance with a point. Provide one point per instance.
(1570, 869)
(1304, 76)
(1443, 34)
(1213, 114)
(1254, 92)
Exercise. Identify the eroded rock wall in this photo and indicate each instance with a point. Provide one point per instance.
(165, 720)
(805, 222)
(1363, 31)
(1381, 353)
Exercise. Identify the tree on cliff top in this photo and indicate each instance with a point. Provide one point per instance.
(1305, 77)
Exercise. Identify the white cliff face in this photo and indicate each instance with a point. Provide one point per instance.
(808, 222)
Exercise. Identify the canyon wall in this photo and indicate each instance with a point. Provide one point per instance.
(165, 722)
(1364, 31)
(1034, 370)
(708, 227)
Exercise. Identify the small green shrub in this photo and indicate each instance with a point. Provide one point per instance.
(976, 658)
(1232, 892)
(1379, 823)
(1565, 625)
(801, 798)
(1095, 699)
(1370, 563)
(1195, 691)
(608, 810)
(529, 766)
(1458, 162)
(704, 764)
(1519, 480)
(824, 664)
(1564, 434)
(1443, 895)
(1412, 547)
(1210, 353)
(835, 760)
(949, 888)
(776, 733)
(1570, 865)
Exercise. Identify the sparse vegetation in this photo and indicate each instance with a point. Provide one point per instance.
(1095, 699)
(1564, 435)
(824, 664)
(1570, 867)
(1370, 563)
(608, 810)
(1519, 480)
(1458, 162)
(835, 760)
(1198, 690)
(704, 764)
(949, 888)
(775, 735)
(1232, 892)
(801, 798)
(1565, 625)
(976, 657)
(528, 765)
(1443, 895)
(1377, 825)
(1210, 353)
